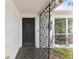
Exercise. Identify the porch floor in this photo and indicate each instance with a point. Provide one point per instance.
(32, 53)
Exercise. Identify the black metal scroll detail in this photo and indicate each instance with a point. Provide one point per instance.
(44, 24)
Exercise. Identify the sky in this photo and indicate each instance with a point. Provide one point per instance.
(66, 5)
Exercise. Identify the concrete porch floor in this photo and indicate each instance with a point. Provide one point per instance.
(32, 53)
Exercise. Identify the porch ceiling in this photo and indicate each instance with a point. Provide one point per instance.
(30, 6)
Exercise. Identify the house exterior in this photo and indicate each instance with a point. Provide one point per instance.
(46, 22)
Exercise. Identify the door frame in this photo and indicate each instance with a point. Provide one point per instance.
(34, 30)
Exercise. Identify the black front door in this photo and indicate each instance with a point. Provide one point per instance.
(28, 30)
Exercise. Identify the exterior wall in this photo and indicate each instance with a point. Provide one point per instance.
(13, 32)
(13, 29)
(62, 13)
(32, 15)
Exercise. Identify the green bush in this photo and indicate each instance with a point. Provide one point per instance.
(65, 53)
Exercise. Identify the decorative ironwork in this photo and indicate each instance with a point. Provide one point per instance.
(45, 24)
(44, 28)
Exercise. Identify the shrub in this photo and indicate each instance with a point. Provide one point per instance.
(65, 53)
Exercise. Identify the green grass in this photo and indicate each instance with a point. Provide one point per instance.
(65, 53)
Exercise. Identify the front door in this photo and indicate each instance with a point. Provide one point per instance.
(28, 32)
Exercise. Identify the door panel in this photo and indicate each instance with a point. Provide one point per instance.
(28, 26)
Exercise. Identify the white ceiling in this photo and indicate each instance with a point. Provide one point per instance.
(30, 6)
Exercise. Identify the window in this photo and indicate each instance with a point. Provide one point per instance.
(70, 35)
(60, 31)
(63, 31)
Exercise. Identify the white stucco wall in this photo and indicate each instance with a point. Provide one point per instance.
(13, 30)
(33, 15)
